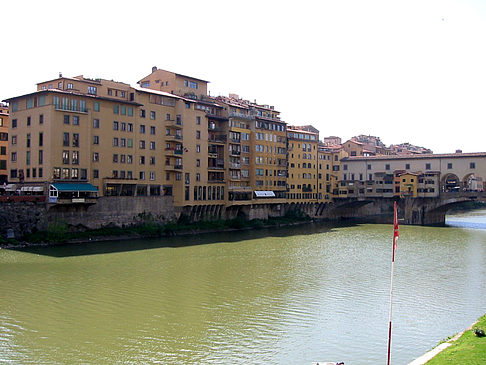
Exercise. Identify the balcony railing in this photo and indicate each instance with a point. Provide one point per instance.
(69, 108)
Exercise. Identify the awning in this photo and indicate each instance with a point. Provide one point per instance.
(10, 187)
(264, 194)
(68, 187)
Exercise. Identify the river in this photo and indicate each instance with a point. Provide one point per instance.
(283, 296)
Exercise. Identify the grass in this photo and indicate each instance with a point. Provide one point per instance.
(468, 349)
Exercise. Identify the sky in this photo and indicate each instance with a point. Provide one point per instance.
(406, 71)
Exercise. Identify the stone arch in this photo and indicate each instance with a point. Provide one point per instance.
(450, 182)
(470, 182)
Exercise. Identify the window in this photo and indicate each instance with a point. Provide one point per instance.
(92, 90)
(387, 166)
(28, 121)
(13, 157)
(66, 119)
(75, 158)
(41, 139)
(65, 139)
(472, 165)
(152, 145)
(142, 113)
(69, 85)
(198, 134)
(96, 174)
(427, 166)
(65, 157)
(115, 158)
(75, 120)
(116, 109)
(152, 115)
(152, 175)
(28, 140)
(41, 160)
(96, 106)
(14, 123)
(123, 126)
(130, 127)
(198, 148)
(123, 110)
(449, 165)
(198, 120)
(152, 129)
(115, 141)
(198, 163)
(41, 118)
(75, 139)
(141, 145)
(142, 128)
(115, 125)
(142, 175)
(96, 123)
(96, 157)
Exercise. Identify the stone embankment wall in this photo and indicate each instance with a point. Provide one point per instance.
(117, 211)
(22, 218)
(28, 217)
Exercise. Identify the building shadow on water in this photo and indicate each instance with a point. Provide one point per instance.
(100, 247)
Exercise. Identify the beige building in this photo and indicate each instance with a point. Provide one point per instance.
(164, 137)
(3, 143)
(381, 176)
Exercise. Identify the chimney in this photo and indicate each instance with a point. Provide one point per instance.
(60, 74)
(458, 151)
(154, 68)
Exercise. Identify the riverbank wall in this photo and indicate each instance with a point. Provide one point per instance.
(22, 218)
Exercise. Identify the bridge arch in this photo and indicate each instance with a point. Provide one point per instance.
(470, 182)
(450, 182)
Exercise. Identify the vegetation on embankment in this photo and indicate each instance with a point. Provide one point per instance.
(146, 226)
(469, 348)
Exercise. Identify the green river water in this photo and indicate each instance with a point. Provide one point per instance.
(291, 295)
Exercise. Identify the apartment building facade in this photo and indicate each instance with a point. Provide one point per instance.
(303, 165)
(3, 143)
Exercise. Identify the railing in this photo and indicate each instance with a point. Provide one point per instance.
(70, 109)
(241, 115)
(235, 165)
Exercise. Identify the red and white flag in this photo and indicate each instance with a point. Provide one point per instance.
(395, 231)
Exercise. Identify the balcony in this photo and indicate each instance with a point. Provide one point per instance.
(69, 108)
(216, 167)
(173, 167)
(235, 153)
(173, 152)
(240, 188)
(177, 124)
(240, 115)
(234, 165)
(217, 139)
(173, 137)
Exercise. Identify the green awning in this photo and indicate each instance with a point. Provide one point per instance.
(75, 187)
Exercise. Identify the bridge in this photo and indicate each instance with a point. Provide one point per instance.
(412, 211)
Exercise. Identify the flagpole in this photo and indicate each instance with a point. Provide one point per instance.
(395, 238)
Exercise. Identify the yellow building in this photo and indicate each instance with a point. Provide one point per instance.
(408, 184)
(3, 143)
(303, 165)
